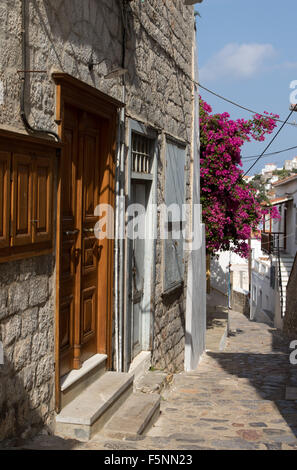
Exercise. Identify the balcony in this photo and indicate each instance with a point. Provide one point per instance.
(273, 242)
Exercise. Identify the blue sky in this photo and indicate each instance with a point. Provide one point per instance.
(248, 53)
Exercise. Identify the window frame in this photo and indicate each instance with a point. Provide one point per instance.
(176, 284)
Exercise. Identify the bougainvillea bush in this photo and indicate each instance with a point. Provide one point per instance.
(230, 207)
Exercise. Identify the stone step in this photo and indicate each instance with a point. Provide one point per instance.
(134, 417)
(86, 414)
(77, 381)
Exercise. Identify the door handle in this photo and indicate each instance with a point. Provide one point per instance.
(88, 230)
(71, 232)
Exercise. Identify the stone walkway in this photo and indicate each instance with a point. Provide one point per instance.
(235, 400)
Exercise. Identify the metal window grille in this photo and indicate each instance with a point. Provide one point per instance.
(141, 154)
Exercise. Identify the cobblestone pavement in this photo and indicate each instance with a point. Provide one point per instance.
(235, 400)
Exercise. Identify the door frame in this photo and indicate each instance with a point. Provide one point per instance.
(151, 218)
(71, 91)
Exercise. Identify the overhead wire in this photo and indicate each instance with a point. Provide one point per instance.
(240, 106)
(272, 140)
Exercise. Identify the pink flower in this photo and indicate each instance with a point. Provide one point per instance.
(230, 206)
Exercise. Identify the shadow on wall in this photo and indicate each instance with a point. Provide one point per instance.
(68, 35)
(20, 420)
(18, 416)
(219, 277)
(78, 31)
(26, 332)
(268, 374)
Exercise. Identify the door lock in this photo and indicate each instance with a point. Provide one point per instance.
(76, 254)
(97, 250)
(68, 233)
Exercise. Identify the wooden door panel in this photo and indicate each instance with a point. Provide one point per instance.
(90, 182)
(88, 313)
(43, 197)
(22, 211)
(5, 159)
(89, 255)
(89, 137)
(69, 240)
(67, 264)
(69, 165)
(66, 333)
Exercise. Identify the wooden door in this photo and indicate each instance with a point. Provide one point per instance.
(89, 136)
(70, 241)
(80, 253)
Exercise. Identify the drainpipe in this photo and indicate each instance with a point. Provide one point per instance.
(121, 225)
(24, 118)
(116, 254)
(119, 248)
(120, 214)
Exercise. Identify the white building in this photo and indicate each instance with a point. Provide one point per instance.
(268, 168)
(279, 241)
(262, 290)
(290, 164)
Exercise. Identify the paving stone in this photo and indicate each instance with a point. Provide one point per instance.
(258, 425)
(235, 400)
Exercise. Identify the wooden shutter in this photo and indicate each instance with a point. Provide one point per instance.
(5, 159)
(174, 194)
(42, 200)
(22, 211)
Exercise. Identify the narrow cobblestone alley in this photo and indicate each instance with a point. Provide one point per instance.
(235, 400)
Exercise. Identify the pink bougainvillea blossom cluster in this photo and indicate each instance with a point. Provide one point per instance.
(231, 210)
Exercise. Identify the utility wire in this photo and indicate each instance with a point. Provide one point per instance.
(252, 157)
(272, 140)
(242, 107)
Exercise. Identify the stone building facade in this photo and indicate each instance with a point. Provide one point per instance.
(154, 42)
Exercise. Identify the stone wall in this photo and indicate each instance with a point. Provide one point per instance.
(290, 319)
(169, 331)
(240, 302)
(27, 334)
(64, 35)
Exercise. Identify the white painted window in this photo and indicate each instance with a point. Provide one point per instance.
(142, 154)
(174, 195)
(296, 226)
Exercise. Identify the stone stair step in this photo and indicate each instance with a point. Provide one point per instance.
(90, 410)
(153, 382)
(76, 381)
(138, 412)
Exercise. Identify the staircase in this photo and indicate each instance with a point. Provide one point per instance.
(285, 267)
(95, 400)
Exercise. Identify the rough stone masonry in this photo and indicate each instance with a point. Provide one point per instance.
(63, 35)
